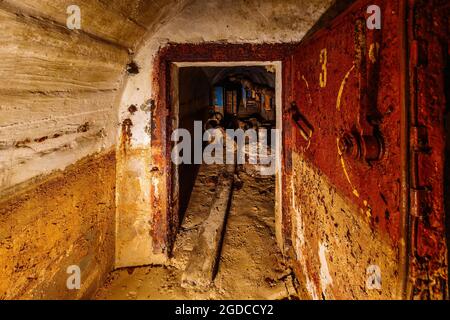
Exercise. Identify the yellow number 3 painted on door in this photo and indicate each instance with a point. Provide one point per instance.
(323, 73)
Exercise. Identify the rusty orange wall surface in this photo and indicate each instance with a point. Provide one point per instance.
(373, 187)
(63, 219)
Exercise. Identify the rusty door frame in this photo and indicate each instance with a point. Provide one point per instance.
(166, 222)
(405, 234)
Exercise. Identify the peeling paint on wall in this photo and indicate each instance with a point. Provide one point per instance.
(337, 242)
(300, 245)
(325, 277)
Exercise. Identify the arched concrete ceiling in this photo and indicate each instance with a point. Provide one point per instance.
(258, 75)
(244, 20)
(126, 22)
(123, 22)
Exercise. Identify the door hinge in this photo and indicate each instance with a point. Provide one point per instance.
(417, 201)
(419, 146)
(419, 140)
(419, 53)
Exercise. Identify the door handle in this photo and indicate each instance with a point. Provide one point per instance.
(366, 141)
(303, 125)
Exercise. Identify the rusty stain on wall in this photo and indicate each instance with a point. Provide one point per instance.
(126, 134)
(132, 109)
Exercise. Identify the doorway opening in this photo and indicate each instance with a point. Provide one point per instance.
(215, 200)
(167, 211)
(239, 97)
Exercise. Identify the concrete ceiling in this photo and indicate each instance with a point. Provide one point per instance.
(127, 22)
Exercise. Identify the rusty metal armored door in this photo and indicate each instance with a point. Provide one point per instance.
(365, 110)
(345, 122)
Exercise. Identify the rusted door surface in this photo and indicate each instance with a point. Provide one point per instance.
(347, 157)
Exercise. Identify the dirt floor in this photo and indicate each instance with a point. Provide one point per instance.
(250, 267)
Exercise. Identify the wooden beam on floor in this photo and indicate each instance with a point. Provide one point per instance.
(202, 265)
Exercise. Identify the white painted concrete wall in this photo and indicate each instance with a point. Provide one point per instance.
(56, 82)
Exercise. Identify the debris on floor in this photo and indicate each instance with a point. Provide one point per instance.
(251, 265)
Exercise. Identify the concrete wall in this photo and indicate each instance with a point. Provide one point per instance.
(332, 242)
(59, 92)
(65, 219)
(194, 97)
(60, 88)
(57, 98)
(57, 104)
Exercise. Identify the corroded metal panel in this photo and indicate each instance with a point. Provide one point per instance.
(376, 133)
(343, 131)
